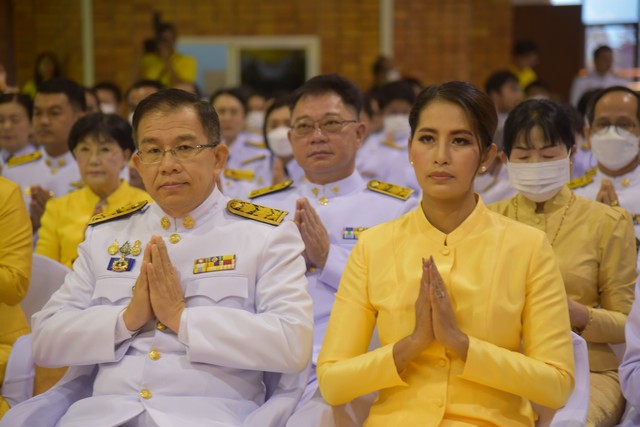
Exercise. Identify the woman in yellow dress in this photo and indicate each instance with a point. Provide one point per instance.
(102, 145)
(470, 307)
(594, 243)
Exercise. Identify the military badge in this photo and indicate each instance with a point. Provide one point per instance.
(352, 233)
(214, 263)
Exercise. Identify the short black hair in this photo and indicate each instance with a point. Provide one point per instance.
(19, 98)
(145, 83)
(536, 84)
(552, 118)
(73, 91)
(367, 98)
(399, 90)
(111, 87)
(241, 94)
(585, 99)
(323, 84)
(591, 108)
(524, 47)
(476, 104)
(170, 100)
(497, 80)
(102, 126)
(57, 70)
(601, 49)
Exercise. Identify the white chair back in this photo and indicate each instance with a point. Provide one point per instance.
(47, 276)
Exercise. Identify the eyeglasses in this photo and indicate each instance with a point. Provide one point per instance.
(326, 126)
(181, 152)
(603, 125)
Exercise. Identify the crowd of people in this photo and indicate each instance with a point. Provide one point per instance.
(404, 255)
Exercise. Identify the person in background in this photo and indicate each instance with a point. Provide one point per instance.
(524, 57)
(166, 64)
(15, 271)
(594, 243)
(435, 282)
(276, 136)
(52, 171)
(47, 67)
(256, 106)
(139, 91)
(537, 89)
(102, 145)
(249, 163)
(332, 205)
(383, 71)
(92, 101)
(109, 97)
(600, 77)
(15, 126)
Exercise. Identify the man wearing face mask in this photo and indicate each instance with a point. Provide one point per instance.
(614, 135)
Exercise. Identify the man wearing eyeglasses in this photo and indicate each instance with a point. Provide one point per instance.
(614, 136)
(191, 311)
(333, 204)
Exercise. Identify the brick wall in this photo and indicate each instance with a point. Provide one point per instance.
(436, 40)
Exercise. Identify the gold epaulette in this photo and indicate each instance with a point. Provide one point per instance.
(397, 191)
(255, 144)
(256, 212)
(392, 144)
(21, 160)
(269, 190)
(253, 159)
(239, 174)
(118, 213)
(583, 180)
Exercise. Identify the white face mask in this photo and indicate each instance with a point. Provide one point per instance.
(393, 75)
(539, 181)
(279, 141)
(397, 126)
(255, 121)
(614, 148)
(108, 108)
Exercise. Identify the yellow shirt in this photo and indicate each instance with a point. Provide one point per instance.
(154, 68)
(507, 296)
(525, 76)
(65, 219)
(15, 270)
(596, 251)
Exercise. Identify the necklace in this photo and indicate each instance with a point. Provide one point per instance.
(564, 214)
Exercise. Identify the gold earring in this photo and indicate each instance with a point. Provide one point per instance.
(483, 168)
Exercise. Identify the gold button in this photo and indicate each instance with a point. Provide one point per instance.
(145, 393)
(445, 251)
(174, 238)
(442, 363)
(160, 326)
(154, 354)
(625, 182)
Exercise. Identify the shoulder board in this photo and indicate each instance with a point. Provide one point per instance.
(256, 212)
(255, 144)
(118, 213)
(239, 174)
(392, 190)
(253, 159)
(21, 160)
(269, 190)
(392, 144)
(583, 180)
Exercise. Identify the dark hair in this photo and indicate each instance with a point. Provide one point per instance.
(24, 100)
(583, 103)
(90, 91)
(274, 105)
(536, 84)
(144, 83)
(330, 83)
(170, 100)
(102, 126)
(552, 118)
(476, 104)
(238, 93)
(57, 71)
(497, 80)
(73, 91)
(111, 87)
(591, 108)
(367, 98)
(524, 47)
(399, 90)
(576, 119)
(601, 49)
(380, 64)
(166, 26)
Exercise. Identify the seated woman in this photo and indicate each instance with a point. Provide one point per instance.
(102, 145)
(277, 122)
(594, 243)
(470, 306)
